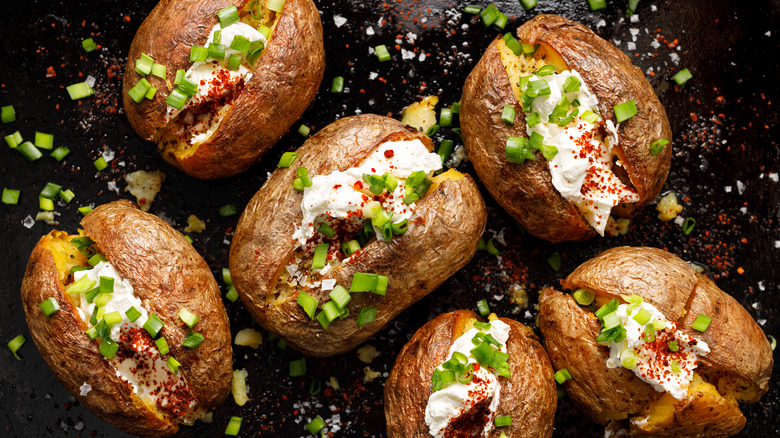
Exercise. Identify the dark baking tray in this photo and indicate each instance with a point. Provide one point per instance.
(725, 168)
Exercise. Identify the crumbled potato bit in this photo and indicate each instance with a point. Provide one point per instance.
(238, 386)
(249, 338)
(421, 115)
(144, 186)
(333, 383)
(668, 207)
(367, 353)
(617, 227)
(369, 375)
(194, 225)
(519, 295)
(492, 317)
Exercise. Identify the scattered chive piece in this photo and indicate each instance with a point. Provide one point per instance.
(10, 196)
(473, 10)
(162, 346)
(298, 367)
(192, 340)
(133, 314)
(503, 420)
(234, 425)
(483, 308)
(595, 5)
(315, 425)
(29, 151)
(583, 297)
(51, 190)
(143, 65)
(625, 111)
(232, 294)
(658, 146)
(528, 4)
(508, 115)
(701, 323)
(276, 5)
(366, 316)
(79, 90)
(45, 204)
(227, 210)
(14, 139)
(60, 153)
(562, 376)
(287, 159)
(382, 53)
(8, 114)
(188, 317)
(49, 306)
(304, 130)
(173, 365)
(688, 225)
(682, 76)
(15, 344)
(555, 261)
(153, 325)
(308, 302)
(337, 86)
(227, 16)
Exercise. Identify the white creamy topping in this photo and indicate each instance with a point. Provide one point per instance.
(581, 170)
(452, 401)
(335, 195)
(654, 359)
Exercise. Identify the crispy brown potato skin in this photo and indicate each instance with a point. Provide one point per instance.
(284, 82)
(529, 396)
(525, 190)
(167, 274)
(416, 262)
(738, 346)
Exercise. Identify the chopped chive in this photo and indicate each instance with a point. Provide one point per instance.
(625, 111)
(192, 340)
(8, 114)
(287, 159)
(49, 306)
(382, 53)
(682, 76)
(701, 323)
(79, 90)
(10, 196)
(298, 367)
(60, 153)
(227, 210)
(234, 425)
(337, 86)
(366, 316)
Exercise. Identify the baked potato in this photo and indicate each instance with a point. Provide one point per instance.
(389, 227)
(96, 326)
(526, 390)
(239, 96)
(544, 122)
(672, 374)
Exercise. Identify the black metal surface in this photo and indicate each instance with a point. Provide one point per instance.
(726, 165)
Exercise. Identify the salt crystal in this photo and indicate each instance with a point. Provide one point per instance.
(339, 20)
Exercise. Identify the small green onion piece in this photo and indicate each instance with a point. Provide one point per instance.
(287, 159)
(482, 325)
(340, 296)
(483, 308)
(555, 261)
(43, 140)
(673, 346)
(625, 111)
(100, 164)
(445, 117)
(473, 10)
(303, 174)
(363, 282)
(179, 76)
(232, 294)
(106, 285)
(88, 45)
(326, 230)
(628, 359)
(150, 93)
(83, 285)
(15, 344)
(366, 316)
(682, 76)
(112, 318)
(701, 323)
(198, 54)
(308, 302)
(649, 333)
(29, 151)
(595, 5)
(79, 90)
(642, 317)
(583, 297)
(85, 210)
(188, 317)
(611, 321)
(153, 325)
(158, 70)
(14, 139)
(298, 367)
(45, 204)
(562, 376)
(331, 311)
(337, 86)
(433, 130)
(227, 16)
(108, 348)
(571, 84)
(173, 365)
(445, 150)
(60, 153)
(143, 65)
(133, 314)
(503, 420)
(192, 340)
(276, 5)
(177, 98)
(508, 115)
(10, 196)
(315, 425)
(688, 225)
(216, 51)
(320, 256)
(51, 190)
(304, 130)
(162, 346)
(489, 15)
(382, 53)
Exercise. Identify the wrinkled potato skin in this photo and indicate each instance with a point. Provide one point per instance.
(531, 199)
(529, 396)
(166, 274)
(416, 262)
(284, 82)
(738, 346)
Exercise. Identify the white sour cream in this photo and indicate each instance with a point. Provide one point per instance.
(452, 401)
(341, 195)
(581, 170)
(654, 358)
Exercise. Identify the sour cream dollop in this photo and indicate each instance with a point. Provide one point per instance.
(654, 359)
(447, 404)
(582, 169)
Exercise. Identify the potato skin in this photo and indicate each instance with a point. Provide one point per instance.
(738, 346)
(167, 274)
(284, 82)
(531, 199)
(529, 396)
(416, 262)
